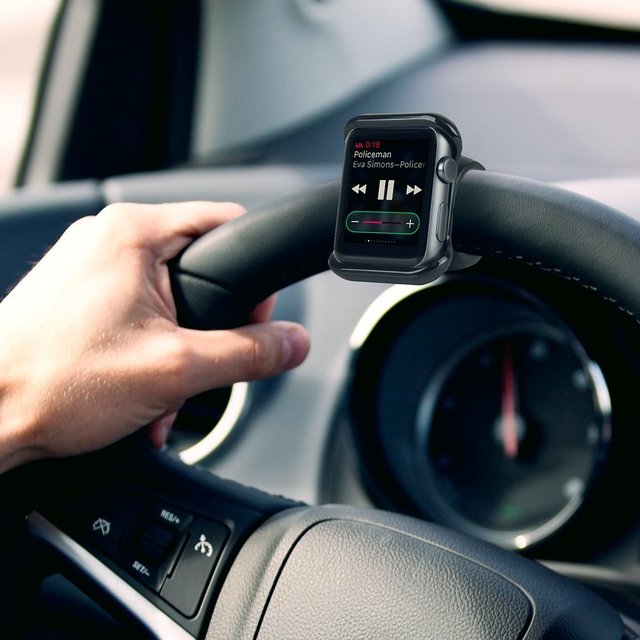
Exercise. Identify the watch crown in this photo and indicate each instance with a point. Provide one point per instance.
(447, 170)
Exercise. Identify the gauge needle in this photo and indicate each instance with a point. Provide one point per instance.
(508, 409)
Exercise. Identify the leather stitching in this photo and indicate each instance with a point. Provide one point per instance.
(538, 264)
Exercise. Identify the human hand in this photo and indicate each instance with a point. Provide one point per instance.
(90, 350)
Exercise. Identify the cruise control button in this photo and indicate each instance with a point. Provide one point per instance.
(172, 516)
(156, 542)
(153, 557)
(142, 569)
(186, 586)
(150, 549)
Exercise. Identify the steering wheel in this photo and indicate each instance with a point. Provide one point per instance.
(184, 554)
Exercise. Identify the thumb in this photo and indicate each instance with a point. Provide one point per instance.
(220, 358)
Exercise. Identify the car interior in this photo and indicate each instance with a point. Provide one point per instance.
(371, 492)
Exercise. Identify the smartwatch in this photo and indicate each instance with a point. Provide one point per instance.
(398, 188)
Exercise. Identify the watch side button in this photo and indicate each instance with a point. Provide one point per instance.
(442, 222)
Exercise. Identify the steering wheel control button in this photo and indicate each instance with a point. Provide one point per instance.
(176, 518)
(185, 587)
(105, 525)
(156, 542)
(443, 222)
(447, 170)
(152, 557)
(153, 542)
(148, 574)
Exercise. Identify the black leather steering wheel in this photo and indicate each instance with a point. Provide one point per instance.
(285, 570)
(216, 282)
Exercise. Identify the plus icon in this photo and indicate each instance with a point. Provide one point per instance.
(410, 223)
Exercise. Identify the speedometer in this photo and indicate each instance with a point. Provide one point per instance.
(512, 430)
(476, 405)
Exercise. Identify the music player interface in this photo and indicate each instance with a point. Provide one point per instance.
(387, 189)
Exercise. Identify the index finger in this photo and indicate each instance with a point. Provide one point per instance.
(167, 228)
(182, 222)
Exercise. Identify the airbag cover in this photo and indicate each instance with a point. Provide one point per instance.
(426, 591)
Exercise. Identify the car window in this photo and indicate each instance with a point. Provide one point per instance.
(24, 27)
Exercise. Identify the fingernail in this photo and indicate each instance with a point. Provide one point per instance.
(165, 430)
(159, 431)
(295, 345)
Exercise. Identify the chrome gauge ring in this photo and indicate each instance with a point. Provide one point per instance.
(513, 430)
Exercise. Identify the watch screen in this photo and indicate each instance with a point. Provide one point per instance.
(386, 196)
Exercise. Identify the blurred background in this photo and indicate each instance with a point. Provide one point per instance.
(24, 27)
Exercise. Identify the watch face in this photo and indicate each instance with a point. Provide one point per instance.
(386, 198)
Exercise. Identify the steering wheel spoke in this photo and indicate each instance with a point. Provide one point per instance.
(150, 536)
